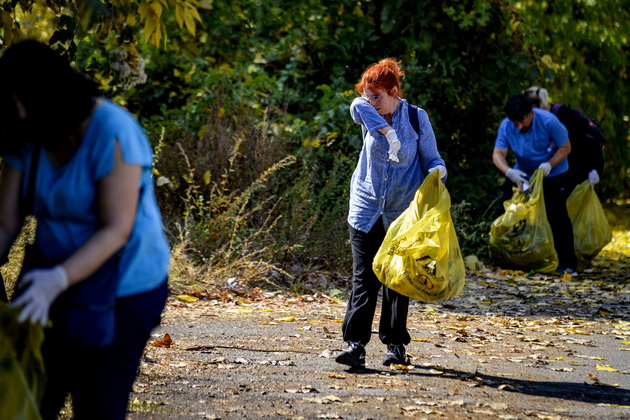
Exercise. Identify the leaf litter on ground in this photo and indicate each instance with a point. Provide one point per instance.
(504, 323)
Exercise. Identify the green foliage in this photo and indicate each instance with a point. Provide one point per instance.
(241, 85)
(586, 44)
(472, 233)
(296, 63)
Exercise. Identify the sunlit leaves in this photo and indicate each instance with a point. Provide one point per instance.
(108, 17)
(186, 13)
(154, 28)
(7, 24)
(152, 11)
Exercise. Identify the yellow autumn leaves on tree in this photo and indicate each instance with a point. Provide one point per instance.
(109, 17)
(151, 12)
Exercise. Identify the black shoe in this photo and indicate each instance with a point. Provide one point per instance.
(562, 271)
(353, 356)
(396, 354)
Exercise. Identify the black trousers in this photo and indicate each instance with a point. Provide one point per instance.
(556, 190)
(100, 380)
(357, 324)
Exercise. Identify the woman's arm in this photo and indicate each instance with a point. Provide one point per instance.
(427, 144)
(117, 201)
(10, 218)
(364, 113)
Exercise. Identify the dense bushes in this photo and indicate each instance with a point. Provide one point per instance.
(279, 83)
(250, 115)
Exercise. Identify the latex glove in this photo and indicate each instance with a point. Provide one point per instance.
(546, 167)
(593, 177)
(516, 176)
(440, 168)
(394, 145)
(45, 286)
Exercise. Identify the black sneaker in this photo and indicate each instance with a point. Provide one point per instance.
(396, 354)
(353, 356)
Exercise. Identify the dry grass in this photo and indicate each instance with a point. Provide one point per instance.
(220, 214)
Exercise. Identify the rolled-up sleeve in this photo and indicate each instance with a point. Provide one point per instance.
(365, 114)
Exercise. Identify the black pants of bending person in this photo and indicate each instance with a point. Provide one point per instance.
(101, 380)
(556, 190)
(357, 324)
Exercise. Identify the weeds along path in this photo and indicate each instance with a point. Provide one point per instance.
(511, 346)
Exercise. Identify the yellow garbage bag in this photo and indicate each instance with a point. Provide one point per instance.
(22, 377)
(420, 256)
(591, 231)
(521, 238)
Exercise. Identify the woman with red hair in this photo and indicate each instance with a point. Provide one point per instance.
(395, 158)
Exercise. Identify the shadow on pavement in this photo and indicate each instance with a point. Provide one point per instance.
(581, 392)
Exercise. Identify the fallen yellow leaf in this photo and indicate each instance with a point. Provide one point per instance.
(187, 298)
(574, 331)
(240, 311)
(566, 277)
(606, 368)
(405, 368)
(287, 319)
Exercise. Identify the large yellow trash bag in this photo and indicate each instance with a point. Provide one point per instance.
(420, 256)
(591, 231)
(22, 377)
(522, 238)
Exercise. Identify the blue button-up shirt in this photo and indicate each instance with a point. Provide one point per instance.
(381, 187)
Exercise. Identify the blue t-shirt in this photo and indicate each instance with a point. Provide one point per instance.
(65, 198)
(537, 145)
(381, 187)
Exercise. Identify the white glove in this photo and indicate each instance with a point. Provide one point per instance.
(593, 177)
(440, 168)
(516, 176)
(546, 167)
(45, 286)
(394, 145)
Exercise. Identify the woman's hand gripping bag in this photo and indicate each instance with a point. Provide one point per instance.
(591, 231)
(420, 256)
(522, 238)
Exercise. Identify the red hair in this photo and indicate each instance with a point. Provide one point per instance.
(385, 74)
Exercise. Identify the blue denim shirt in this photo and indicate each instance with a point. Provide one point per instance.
(381, 187)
